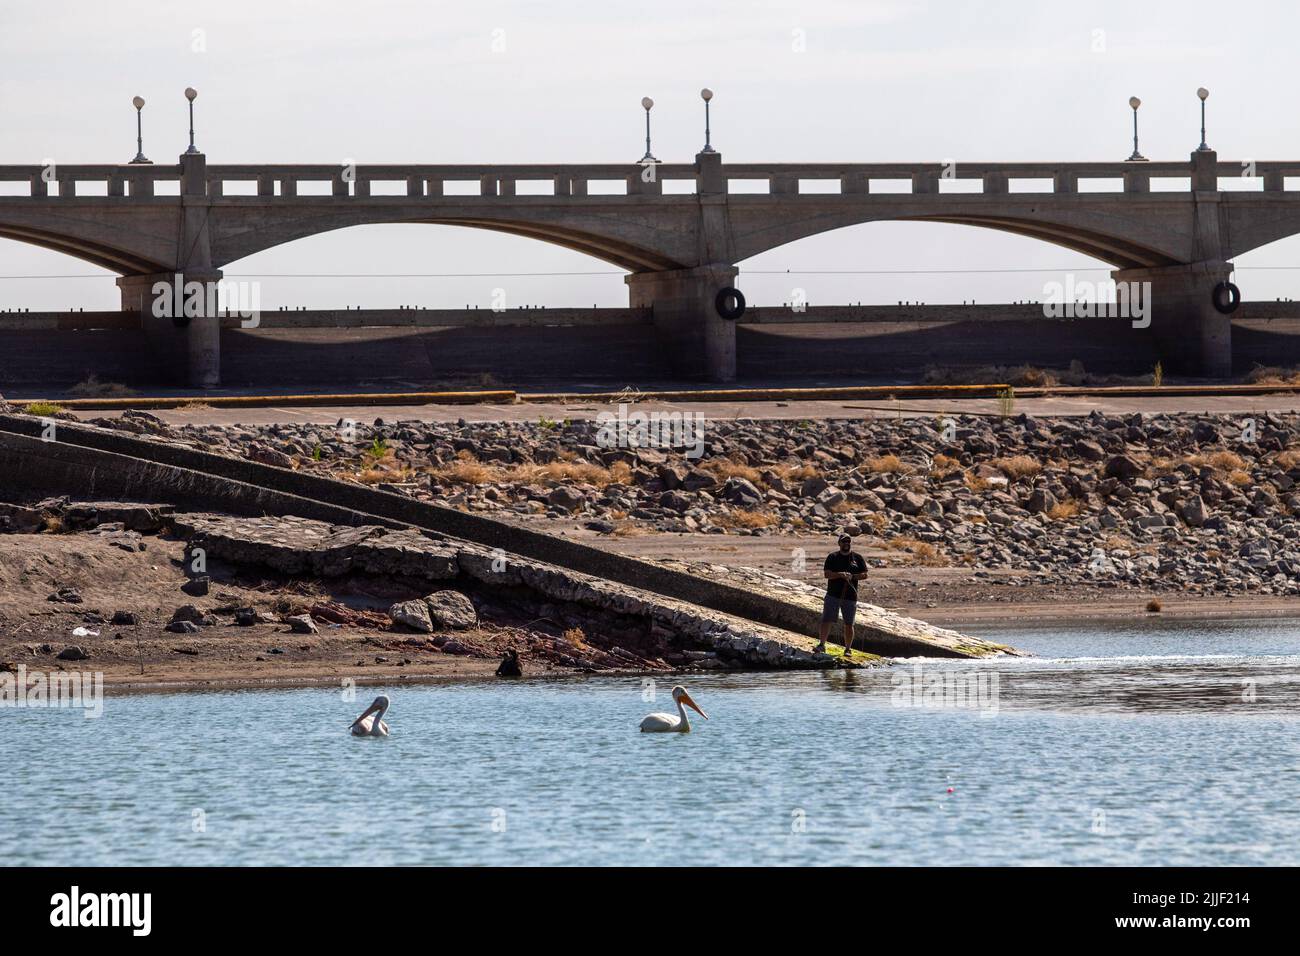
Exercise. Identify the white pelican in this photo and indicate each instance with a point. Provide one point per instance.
(368, 726)
(667, 723)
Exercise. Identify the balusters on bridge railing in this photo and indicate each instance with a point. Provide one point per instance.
(638, 186)
(783, 184)
(855, 184)
(141, 185)
(709, 175)
(925, 181)
(1137, 181)
(996, 183)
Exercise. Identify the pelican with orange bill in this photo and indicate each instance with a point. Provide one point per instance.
(669, 723)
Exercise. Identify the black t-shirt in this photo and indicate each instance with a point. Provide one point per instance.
(838, 561)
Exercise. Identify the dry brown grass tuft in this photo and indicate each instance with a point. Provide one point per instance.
(1017, 466)
(1273, 375)
(886, 465)
(1154, 606)
(745, 518)
(1064, 509)
(1220, 460)
(1226, 461)
(582, 473)
(925, 554)
(92, 387)
(464, 471)
(724, 468)
(943, 465)
(974, 482)
(877, 520)
(1287, 459)
(796, 472)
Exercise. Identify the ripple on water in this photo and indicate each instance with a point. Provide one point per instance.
(1153, 755)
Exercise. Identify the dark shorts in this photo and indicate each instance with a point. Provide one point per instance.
(833, 607)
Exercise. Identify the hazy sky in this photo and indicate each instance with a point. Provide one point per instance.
(824, 80)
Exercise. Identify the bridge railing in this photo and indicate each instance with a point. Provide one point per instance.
(437, 181)
(787, 179)
(105, 180)
(1002, 178)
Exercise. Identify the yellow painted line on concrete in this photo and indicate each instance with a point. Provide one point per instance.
(772, 394)
(499, 397)
(508, 397)
(1153, 391)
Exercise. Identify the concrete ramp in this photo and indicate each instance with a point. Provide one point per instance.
(98, 462)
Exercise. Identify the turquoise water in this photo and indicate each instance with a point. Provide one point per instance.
(1145, 745)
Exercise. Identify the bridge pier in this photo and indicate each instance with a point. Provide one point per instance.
(1192, 336)
(697, 341)
(181, 329)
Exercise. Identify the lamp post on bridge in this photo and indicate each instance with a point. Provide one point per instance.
(1204, 95)
(138, 103)
(1137, 157)
(706, 94)
(646, 103)
(190, 94)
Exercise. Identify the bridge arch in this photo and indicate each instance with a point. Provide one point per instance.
(95, 252)
(921, 261)
(429, 265)
(1113, 237)
(637, 244)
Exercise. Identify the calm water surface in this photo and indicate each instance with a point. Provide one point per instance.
(1150, 744)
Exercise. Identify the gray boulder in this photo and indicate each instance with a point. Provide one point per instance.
(301, 624)
(451, 610)
(1193, 511)
(412, 614)
(1123, 467)
(908, 502)
(565, 498)
(740, 491)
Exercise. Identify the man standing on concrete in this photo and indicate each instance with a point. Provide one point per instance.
(844, 569)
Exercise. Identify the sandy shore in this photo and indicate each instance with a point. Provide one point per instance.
(33, 629)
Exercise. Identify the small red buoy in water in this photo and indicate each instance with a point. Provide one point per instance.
(950, 789)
